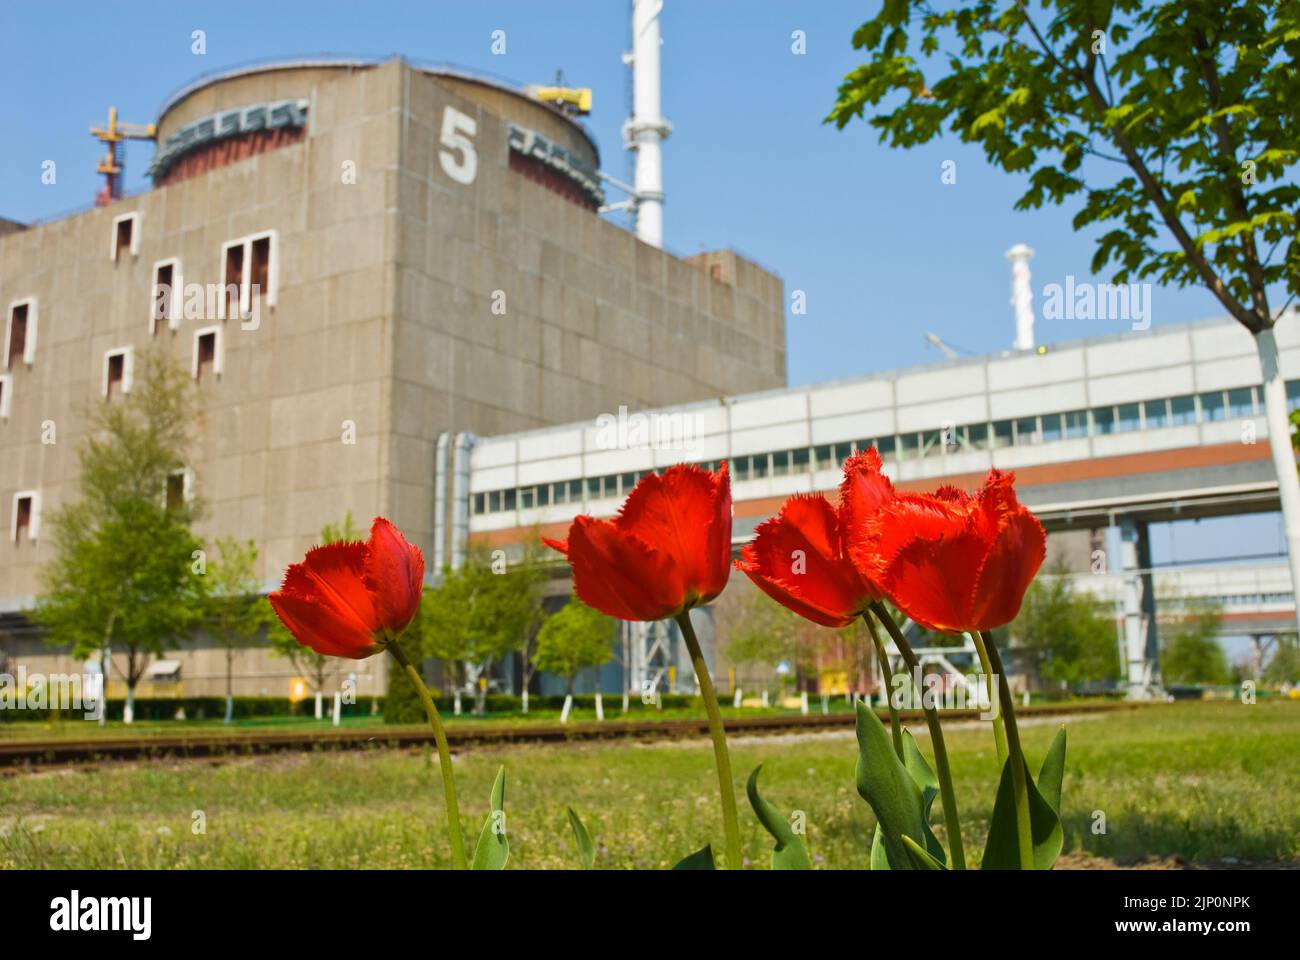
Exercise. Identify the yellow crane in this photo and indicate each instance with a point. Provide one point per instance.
(113, 136)
(575, 101)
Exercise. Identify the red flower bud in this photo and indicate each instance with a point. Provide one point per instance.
(350, 599)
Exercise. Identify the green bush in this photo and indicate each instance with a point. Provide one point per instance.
(202, 708)
(402, 705)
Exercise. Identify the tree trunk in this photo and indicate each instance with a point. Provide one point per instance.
(1279, 441)
(132, 678)
(230, 685)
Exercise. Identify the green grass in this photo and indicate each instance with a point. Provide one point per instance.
(79, 729)
(1206, 781)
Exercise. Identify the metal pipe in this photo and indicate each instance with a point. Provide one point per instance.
(464, 442)
(440, 503)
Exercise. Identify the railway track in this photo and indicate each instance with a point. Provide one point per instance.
(31, 753)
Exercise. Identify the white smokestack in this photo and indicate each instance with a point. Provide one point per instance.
(1022, 295)
(646, 130)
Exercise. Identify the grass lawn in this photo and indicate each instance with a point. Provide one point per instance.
(1206, 781)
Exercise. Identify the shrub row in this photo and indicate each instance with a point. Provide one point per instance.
(206, 708)
(402, 707)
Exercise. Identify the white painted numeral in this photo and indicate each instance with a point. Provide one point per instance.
(459, 159)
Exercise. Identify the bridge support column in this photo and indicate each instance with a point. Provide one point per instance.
(1141, 666)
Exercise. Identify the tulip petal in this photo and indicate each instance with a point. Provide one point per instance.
(864, 489)
(1011, 564)
(795, 558)
(718, 551)
(685, 512)
(933, 581)
(316, 627)
(394, 575)
(875, 543)
(333, 576)
(621, 575)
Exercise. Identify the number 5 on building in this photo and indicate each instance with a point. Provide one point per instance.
(459, 160)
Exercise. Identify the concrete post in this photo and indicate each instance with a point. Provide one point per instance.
(1141, 644)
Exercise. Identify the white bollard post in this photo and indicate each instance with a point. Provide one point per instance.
(600, 708)
(455, 706)
(765, 702)
(826, 704)
(803, 702)
(568, 705)
(320, 712)
(338, 707)
(735, 701)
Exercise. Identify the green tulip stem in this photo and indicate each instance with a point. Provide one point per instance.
(951, 821)
(1019, 779)
(895, 729)
(721, 759)
(444, 755)
(999, 734)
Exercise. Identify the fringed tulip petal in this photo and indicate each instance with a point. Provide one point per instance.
(668, 549)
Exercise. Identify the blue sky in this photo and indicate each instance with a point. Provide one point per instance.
(883, 249)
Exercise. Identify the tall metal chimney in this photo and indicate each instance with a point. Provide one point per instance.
(645, 131)
(1022, 295)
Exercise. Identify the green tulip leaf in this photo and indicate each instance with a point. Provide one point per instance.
(928, 782)
(701, 859)
(1052, 772)
(921, 858)
(493, 849)
(586, 851)
(878, 859)
(890, 790)
(790, 852)
(1002, 849)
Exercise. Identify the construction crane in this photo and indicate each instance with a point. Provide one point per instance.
(575, 101)
(947, 351)
(113, 136)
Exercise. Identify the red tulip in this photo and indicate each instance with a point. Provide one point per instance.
(797, 558)
(667, 550)
(351, 599)
(863, 491)
(950, 561)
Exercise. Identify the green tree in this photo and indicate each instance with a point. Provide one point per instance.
(1191, 652)
(127, 570)
(1284, 665)
(1170, 124)
(1065, 633)
(763, 632)
(574, 639)
(236, 609)
(477, 615)
(317, 668)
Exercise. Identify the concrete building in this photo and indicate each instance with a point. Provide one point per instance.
(1106, 435)
(362, 258)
